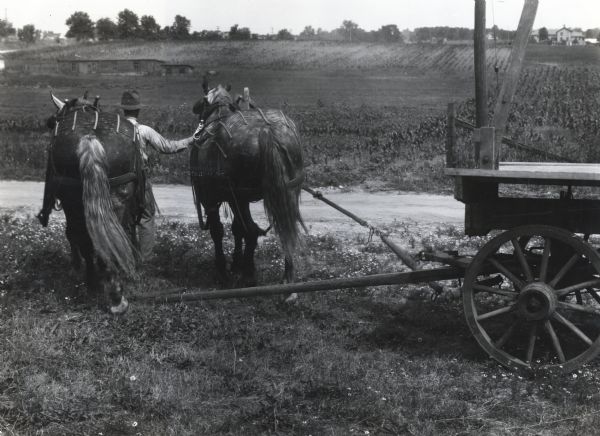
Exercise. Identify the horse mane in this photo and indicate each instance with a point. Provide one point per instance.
(221, 95)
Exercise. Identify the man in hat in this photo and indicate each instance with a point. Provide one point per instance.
(147, 136)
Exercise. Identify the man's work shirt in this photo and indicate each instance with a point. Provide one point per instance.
(148, 136)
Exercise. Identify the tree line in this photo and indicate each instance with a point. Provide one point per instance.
(129, 26)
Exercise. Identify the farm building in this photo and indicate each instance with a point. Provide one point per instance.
(562, 36)
(110, 66)
(28, 66)
(176, 69)
(84, 66)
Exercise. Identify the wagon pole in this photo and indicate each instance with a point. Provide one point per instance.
(419, 276)
(402, 254)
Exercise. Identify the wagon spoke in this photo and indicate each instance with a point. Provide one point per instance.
(522, 260)
(545, 258)
(509, 275)
(564, 321)
(579, 308)
(500, 342)
(490, 290)
(555, 341)
(564, 270)
(578, 287)
(578, 297)
(496, 312)
(594, 295)
(531, 342)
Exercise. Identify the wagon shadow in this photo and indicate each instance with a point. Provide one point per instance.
(419, 327)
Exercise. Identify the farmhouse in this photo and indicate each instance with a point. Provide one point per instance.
(176, 69)
(562, 36)
(110, 66)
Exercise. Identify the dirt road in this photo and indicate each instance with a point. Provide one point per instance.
(176, 203)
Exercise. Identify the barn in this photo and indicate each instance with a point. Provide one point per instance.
(110, 66)
(28, 66)
(177, 69)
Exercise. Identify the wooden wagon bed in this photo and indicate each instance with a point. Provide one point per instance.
(542, 173)
(486, 210)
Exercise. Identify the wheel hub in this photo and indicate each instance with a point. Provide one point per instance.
(537, 301)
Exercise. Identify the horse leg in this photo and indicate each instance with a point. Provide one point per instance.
(79, 240)
(289, 277)
(251, 232)
(75, 253)
(237, 228)
(216, 232)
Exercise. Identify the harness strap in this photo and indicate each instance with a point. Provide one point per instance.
(226, 129)
(296, 181)
(74, 121)
(243, 117)
(114, 181)
(122, 179)
(263, 116)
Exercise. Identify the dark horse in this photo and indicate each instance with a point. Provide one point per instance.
(243, 156)
(94, 171)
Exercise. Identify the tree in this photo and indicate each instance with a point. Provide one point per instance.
(180, 28)
(106, 29)
(210, 35)
(389, 33)
(149, 28)
(543, 34)
(6, 29)
(80, 26)
(349, 27)
(307, 33)
(28, 34)
(127, 24)
(592, 33)
(239, 33)
(285, 35)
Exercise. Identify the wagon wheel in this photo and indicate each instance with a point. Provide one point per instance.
(532, 299)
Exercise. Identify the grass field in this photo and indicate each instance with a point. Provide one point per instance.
(382, 360)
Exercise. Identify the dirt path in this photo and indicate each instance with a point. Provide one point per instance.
(176, 203)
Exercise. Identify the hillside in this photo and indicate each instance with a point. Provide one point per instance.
(281, 55)
(287, 55)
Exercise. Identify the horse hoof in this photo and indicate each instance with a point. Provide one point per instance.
(292, 298)
(120, 308)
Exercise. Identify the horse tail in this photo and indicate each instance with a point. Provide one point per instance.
(280, 201)
(110, 241)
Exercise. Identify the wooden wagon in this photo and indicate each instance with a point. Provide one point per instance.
(532, 293)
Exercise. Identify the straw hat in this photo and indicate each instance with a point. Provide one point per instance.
(130, 100)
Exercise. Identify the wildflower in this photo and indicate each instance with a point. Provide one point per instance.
(133, 378)
(134, 424)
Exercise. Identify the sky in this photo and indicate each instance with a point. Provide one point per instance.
(267, 16)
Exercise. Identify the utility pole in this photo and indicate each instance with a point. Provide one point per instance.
(480, 66)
